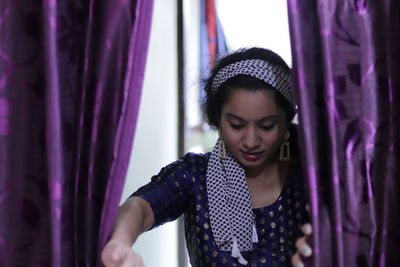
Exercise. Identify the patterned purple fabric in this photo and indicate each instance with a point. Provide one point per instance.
(71, 73)
(347, 60)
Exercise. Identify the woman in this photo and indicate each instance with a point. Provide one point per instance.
(244, 202)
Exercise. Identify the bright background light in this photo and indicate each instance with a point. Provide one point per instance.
(256, 23)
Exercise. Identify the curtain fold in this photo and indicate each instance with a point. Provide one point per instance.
(346, 57)
(71, 74)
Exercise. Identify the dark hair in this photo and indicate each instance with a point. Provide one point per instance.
(213, 102)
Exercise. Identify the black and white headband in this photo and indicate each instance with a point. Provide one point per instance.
(260, 69)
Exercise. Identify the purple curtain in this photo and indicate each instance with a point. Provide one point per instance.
(346, 58)
(71, 73)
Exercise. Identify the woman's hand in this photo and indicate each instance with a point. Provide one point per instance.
(118, 254)
(303, 249)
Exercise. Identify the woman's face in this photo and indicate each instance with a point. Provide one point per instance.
(253, 127)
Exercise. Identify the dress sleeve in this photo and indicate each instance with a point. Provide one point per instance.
(170, 191)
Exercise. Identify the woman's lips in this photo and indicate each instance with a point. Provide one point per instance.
(251, 156)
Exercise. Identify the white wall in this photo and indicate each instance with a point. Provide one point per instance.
(155, 142)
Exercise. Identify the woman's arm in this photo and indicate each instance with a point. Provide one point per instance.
(134, 217)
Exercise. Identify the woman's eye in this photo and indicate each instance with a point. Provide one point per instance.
(267, 127)
(236, 126)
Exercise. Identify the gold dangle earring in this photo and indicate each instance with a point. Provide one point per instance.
(284, 153)
(222, 150)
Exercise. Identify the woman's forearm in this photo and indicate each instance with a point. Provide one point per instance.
(134, 217)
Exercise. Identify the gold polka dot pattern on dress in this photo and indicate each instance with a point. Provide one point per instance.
(271, 235)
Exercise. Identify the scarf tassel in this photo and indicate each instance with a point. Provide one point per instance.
(236, 253)
(254, 237)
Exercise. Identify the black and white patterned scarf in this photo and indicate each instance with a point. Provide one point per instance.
(230, 204)
(272, 74)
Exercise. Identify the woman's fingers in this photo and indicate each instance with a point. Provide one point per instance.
(302, 250)
(307, 229)
(301, 243)
(133, 260)
(296, 260)
(117, 254)
(302, 247)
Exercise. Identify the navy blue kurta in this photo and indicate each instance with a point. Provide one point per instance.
(180, 188)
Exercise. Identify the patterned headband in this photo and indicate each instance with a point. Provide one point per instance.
(260, 69)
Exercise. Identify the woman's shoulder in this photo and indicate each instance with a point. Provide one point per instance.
(190, 160)
(197, 159)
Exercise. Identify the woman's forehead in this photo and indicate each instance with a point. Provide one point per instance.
(252, 104)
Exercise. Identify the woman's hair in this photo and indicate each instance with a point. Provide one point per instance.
(214, 100)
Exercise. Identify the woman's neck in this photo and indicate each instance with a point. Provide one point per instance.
(265, 186)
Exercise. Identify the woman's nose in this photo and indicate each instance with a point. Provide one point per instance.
(251, 140)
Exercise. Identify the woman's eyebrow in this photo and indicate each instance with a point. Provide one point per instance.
(271, 117)
(266, 118)
(233, 116)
